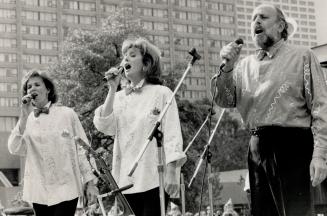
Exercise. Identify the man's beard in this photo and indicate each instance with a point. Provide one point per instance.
(265, 42)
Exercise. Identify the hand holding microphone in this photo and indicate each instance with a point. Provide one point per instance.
(230, 53)
(112, 76)
(27, 98)
(112, 73)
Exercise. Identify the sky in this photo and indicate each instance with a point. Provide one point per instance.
(321, 18)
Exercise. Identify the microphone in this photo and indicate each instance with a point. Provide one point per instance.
(238, 42)
(112, 75)
(27, 98)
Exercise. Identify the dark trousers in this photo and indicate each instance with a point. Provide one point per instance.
(66, 208)
(279, 160)
(146, 203)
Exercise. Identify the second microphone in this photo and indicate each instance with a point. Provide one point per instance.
(113, 75)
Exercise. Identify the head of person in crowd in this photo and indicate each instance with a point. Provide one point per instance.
(268, 26)
(141, 61)
(39, 83)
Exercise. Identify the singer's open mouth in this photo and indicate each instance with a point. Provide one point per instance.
(127, 66)
(34, 95)
(258, 30)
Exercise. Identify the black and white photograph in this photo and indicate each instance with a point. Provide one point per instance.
(163, 107)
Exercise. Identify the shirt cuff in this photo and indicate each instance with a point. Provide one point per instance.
(103, 123)
(180, 159)
(319, 152)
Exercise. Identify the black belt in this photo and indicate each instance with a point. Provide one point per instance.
(257, 131)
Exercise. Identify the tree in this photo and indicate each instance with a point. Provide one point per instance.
(84, 58)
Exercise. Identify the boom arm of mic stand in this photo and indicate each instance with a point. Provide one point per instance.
(162, 114)
(197, 133)
(206, 148)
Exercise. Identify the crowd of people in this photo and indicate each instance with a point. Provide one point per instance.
(279, 91)
(226, 210)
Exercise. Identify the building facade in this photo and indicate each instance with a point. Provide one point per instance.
(32, 32)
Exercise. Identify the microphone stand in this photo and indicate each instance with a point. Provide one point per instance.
(206, 154)
(197, 133)
(183, 194)
(158, 135)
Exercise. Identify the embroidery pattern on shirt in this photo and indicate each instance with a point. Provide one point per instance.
(307, 79)
(229, 96)
(283, 89)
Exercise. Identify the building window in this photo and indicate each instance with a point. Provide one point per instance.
(213, 18)
(213, 43)
(8, 28)
(196, 42)
(49, 45)
(198, 68)
(160, 13)
(87, 20)
(146, 11)
(8, 73)
(213, 56)
(8, 87)
(227, 19)
(181, 41)
(179, 15)
(29, 15)
(160, 1)
(8, 57)
(48, 17)
(313, 37)
(194, 16)
(146, 1)
(31, 44)
(108, 7)
(181, 3)
(30, 30)
(8, 43)
(180, 27)
(7, 14)
(30, 2)
(195, 29)
(9, 102)
(226, 7)
(86, 6)
(48, 59)
(165, 53)
(213, 6)
(214, 31)
(8, 1)
(7, 123)
(160, 40)
(72, 5)
(227, 32)
(148, 25)
(50, 31)
(194, 3)
(160, 26)
(33, 59)
(48, 3)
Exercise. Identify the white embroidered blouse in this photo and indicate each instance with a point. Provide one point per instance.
(55, 167)
(131, 121)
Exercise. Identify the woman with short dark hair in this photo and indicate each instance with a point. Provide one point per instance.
(56, 170)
